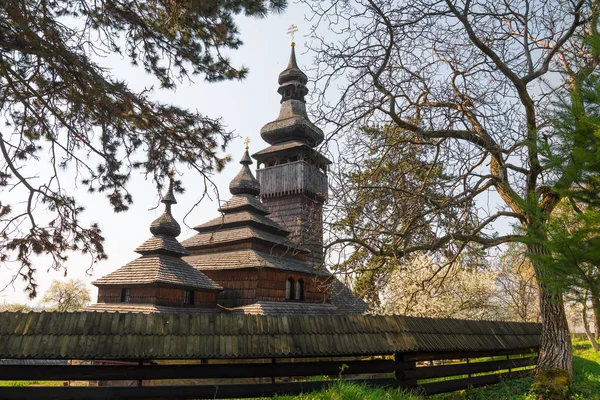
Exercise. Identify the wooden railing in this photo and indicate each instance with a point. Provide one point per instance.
(292, 178)
(427, 372)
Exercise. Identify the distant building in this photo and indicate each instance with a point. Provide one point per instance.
(264, 254)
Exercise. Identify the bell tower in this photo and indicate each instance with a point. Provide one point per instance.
(291, 172)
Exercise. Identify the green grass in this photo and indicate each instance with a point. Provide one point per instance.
(350, 391)
(31, 383)
(586, 381)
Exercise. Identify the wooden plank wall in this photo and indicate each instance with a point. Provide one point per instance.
(162, 296)
(425, 372)
(271, 286)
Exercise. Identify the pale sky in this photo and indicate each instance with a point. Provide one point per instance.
(244, 108)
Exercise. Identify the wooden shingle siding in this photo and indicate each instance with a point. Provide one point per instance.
(116, 336)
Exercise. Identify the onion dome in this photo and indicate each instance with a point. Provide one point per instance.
(245, 182)
(166, 224)
(293, 122)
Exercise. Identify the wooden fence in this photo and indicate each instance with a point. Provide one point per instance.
(426, 372)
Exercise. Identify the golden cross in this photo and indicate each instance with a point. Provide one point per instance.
(292, 29)
(247, 142)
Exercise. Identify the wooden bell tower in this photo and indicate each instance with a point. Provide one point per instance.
(291, 172)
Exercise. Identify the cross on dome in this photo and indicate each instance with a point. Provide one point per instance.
(291, 30)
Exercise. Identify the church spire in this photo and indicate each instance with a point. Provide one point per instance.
(166, 224)
(292, 81)
(293, 122)
(245, 182)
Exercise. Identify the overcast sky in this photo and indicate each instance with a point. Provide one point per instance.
(244, 108)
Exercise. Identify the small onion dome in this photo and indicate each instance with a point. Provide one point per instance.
(245, 182)
(292, 81)
(166, 224)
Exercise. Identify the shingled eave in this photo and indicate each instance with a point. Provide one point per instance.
(251, 258)
(223, 237)
(242, 218)
(159, 269)
(244, 202)
(286, 147)
(162, 244)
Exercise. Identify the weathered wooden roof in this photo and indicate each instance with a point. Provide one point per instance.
(162, 244)
(104, 335)
(344, 300)
(285, 147)
(249, 258)
(239, 234)
(159, 268)
(241, 218)
(244, 202)
(161, 261)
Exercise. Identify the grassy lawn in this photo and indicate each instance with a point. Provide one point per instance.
(31, 383)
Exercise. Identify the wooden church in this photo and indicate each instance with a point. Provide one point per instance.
(264, 254)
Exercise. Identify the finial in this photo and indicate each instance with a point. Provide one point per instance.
(247, 143)
(169, 197)
(166, 224)
(291, 30)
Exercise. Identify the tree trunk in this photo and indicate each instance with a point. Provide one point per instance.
(586, 323)
(556, 351)
(596, 309)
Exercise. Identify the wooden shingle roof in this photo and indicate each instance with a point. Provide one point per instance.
(159, 268)
(161, 261)
(249, 258)
(246, 202)
(240, 218)
(244, 233)
(116, 336)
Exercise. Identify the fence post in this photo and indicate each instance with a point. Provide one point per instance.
(403, 369)
(468, 362)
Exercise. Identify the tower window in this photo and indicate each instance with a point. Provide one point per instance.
(125, 295)
(300, 289)
(289, 289)
(188, 297)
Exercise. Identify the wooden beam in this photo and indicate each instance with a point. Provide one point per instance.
(195, 371)
(175, 392)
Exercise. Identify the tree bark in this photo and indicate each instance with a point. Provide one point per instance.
(556, 351)
(586, 323)
(596, 309)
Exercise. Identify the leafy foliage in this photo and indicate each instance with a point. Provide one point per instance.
(71, 295)
(63, 111)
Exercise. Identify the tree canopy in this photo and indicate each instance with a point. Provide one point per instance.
(474, 82)
(71, 295)
(62, 109)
